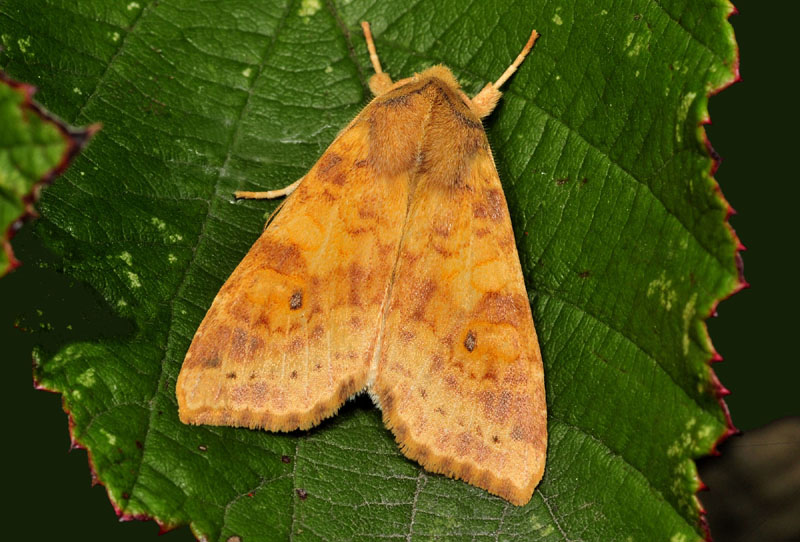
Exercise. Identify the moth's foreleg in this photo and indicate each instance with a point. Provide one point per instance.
(270, 194)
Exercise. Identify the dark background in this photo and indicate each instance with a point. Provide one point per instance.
(753, 130)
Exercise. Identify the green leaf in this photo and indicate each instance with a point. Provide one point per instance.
(621, 229)
(34, 148)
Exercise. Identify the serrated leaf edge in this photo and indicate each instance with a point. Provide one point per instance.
(76, 139)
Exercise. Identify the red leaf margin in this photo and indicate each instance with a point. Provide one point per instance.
(76, 139)
(719, 390)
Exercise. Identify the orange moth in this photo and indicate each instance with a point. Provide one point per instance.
(391, 267)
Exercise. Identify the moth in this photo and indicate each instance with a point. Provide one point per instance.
(391, 267)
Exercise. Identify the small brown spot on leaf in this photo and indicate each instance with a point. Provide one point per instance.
(293, 375)
(495, 439)
(562, 182)
(470, 341)
(231, 375)
(584, 274)
(286, 459)
(296, 301)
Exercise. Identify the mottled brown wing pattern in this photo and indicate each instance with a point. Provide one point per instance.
(459, 373)
(291, 333)
(392, 266)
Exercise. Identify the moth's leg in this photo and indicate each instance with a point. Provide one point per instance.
(485, 101)
(380, 82)
(271, 194)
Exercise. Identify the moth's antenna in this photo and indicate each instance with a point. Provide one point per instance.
(520, 57)
(485, 101)
(373, 54)
(380, 81)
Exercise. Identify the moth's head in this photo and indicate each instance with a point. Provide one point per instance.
(440, 72)
(443, 74)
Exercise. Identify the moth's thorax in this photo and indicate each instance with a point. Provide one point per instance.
(434, 83)
(425, 124)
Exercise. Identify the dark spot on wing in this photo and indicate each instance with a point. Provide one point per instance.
(297, 344)
(212, 361)
(329, 161)
(470, 341)
(499, 308)
(421, 294)
(356, 275)
(495, 406)
(317, 332)
(494, 200)
(286, 259)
